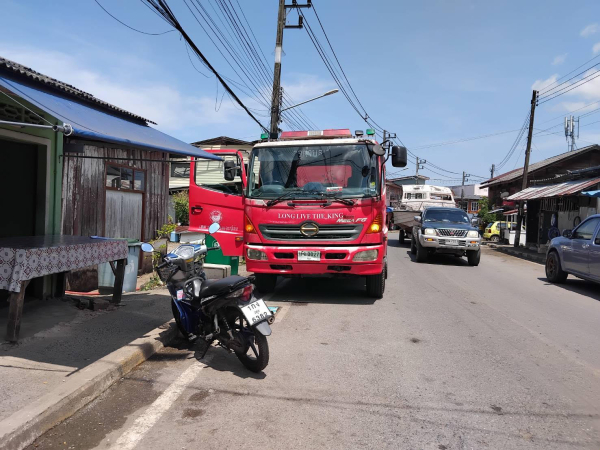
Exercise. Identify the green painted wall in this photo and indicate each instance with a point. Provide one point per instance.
(52, 211)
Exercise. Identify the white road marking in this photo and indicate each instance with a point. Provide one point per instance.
(148, 419)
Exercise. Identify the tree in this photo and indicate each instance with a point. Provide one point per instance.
(484, 213)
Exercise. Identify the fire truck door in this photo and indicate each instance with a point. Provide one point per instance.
(214, 199)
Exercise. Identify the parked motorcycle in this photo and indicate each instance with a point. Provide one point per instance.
(224, 310)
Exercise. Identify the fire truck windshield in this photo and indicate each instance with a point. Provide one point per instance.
(343, 171)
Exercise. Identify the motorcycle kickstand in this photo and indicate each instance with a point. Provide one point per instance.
(208, 345)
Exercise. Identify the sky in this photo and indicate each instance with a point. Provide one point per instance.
(432, 72)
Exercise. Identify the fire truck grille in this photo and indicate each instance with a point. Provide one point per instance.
(451, 232)
(346, 232)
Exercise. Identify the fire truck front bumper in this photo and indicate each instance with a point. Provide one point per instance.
(315, 260)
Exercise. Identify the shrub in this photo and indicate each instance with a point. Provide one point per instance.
(181, 201)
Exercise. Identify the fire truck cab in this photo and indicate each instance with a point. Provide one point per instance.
(311, 203)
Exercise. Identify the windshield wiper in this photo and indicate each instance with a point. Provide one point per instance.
(345, 201)
(282, 197)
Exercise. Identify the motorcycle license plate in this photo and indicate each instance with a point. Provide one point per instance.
(451, 241)
(304, 255)
(256, 312)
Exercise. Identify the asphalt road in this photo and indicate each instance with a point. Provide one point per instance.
(453, 357)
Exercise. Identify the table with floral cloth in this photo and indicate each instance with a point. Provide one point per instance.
(25, 258)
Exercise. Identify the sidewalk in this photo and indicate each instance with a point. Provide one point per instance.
(520, 252)
(64, 349)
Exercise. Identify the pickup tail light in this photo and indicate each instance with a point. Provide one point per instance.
(377, 225)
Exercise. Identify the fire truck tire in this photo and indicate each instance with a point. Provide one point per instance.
(265, 282)
(376, 285)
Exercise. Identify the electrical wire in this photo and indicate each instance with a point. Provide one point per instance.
(574, 86)
(130, 27)
(548, 91)
(566, 75)
(163, 8)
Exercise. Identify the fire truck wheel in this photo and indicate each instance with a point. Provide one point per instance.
(376, 285)
(265, 282)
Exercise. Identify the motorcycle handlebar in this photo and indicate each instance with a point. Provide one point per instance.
(161, 265)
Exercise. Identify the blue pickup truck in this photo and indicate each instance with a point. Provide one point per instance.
(445, 230)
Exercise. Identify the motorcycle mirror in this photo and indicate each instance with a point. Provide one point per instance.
(214, 227)
(147, 247)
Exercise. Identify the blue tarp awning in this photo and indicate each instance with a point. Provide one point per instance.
(96, 125)
(591, 193)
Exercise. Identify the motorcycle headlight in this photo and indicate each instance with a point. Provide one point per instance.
(256, 254)
(472, 234)
(367, 255)
(429, 232)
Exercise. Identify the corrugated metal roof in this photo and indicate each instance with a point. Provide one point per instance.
(518, 173)
(17, 69)
(554, 190)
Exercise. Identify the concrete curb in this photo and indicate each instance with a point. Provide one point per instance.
(539, 258)
(24, 426)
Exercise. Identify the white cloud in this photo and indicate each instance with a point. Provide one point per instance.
(596, 48)
(559, 59)
(590, 29)
(541, 84)
(159, 101)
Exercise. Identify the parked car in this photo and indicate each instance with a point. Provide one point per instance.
(493, 230)
(576, 252)
(445, 230)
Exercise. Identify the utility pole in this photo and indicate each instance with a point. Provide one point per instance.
(492, 170)
(419, 166)
(526, 167)
(276, 95)
(465, 177)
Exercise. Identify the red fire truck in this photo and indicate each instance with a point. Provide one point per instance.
(309, 203)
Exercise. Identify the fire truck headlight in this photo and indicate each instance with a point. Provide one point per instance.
(256, 254)
(367, 255)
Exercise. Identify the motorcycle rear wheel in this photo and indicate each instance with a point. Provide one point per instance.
(255, 353)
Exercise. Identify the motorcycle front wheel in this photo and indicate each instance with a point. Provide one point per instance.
(177, 317)
(254, 353)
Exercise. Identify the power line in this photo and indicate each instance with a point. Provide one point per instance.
(566, 75)
(163, 8)
(574, 86)
(130, 27)
(547, 91)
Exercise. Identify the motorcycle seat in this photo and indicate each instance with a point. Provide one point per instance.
(219, 287)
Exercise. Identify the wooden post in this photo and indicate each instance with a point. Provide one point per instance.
(119, 277)
(15, 312)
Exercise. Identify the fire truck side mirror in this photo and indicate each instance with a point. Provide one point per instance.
(378, 150)
(229, 170)
(399, 158)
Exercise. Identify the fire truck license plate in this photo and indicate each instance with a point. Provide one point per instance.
(256, 312)
(309, 256)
